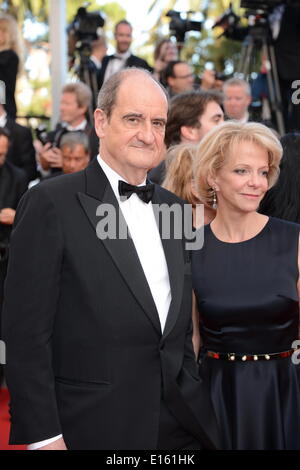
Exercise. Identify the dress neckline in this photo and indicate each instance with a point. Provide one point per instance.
(260, 233)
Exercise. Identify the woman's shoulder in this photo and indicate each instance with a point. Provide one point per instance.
(284, 225)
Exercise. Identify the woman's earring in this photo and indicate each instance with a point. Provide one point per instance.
(214, 204)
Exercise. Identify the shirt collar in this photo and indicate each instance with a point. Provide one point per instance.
(96, 61)
(113, 177)
(80, 126)
(123, 55)
(245, 118)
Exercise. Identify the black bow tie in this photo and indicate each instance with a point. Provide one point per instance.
(145, 193)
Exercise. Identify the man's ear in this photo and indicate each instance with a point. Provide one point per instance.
(100, 121)
(190, 133)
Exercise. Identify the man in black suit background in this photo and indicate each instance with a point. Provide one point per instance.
(21, 152)
(13, 184)
(123, 56)
(287, 51)
(97, 325)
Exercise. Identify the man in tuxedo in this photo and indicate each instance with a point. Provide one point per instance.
(98, 325)
(13, 184)
(123, 56)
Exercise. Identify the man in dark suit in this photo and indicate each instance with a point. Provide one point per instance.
(21, 151)
(287, 51)
(13, 184)
(98, 325)
(123, 57)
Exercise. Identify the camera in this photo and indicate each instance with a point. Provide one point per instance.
(179, 26)
(42, 134)
(83, 30)
(85, 25)
(229, 18)
(53, 137)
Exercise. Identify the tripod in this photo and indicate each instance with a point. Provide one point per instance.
(87, 74)
(259, 38)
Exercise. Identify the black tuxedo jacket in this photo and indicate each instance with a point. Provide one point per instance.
(21, 151)
(85, 352)
(132, 61)
(9, 63)
(13, 185)
(287, 44)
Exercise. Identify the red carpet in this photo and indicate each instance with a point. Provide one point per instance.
(4, 422)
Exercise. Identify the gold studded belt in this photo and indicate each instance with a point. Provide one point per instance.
(249, 357)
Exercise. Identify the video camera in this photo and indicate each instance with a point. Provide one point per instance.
(179, 26)
(85, 25)
(85, 29)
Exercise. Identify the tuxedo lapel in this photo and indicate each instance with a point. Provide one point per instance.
(122, 251)
(175, 262)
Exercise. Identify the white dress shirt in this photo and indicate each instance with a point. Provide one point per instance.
(116, 64)
(144, 232)
(79, 127)
(96, 61)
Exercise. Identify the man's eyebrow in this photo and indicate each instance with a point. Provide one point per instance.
(140, 115)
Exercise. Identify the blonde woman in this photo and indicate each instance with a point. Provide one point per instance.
(179, 180)
(9, 60)
(246, 283)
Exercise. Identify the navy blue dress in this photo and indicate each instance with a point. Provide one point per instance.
(248, 302)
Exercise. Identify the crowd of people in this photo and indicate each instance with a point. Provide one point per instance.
(140, 341)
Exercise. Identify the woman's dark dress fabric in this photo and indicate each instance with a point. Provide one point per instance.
(248, 303)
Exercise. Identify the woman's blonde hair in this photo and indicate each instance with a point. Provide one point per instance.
(9, 26)
(179, 171)
(221, 141)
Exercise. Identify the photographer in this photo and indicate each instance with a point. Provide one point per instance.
(74, 103)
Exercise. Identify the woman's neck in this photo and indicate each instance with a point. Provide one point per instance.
(236, 227)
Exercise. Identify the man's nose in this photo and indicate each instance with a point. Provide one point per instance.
(146, 133)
